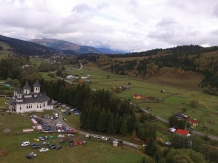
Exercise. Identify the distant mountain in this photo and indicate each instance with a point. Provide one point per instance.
(65, 47)
(71, 48)
(109, 51)
(27, 48)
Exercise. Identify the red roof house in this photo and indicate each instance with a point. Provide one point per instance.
(182, 132)
(194, 122)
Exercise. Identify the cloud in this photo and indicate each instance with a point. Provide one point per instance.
(131, 25)
(215, 11)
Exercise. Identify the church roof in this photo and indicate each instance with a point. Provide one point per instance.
(36, 84)
(38, 99)
(19, 91)
(27, 86)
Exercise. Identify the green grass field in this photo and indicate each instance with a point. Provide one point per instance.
(2, 101)
(174, 99)
(37, 61)
(46, 77)
(93, 151)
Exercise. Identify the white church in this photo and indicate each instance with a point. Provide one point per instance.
(27, 101)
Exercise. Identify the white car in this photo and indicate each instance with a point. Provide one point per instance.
(25, 143)
(70, 135)
(133, 145)
(103, 138)
(97, 136)
(43, 150)
(33, 154)
(61, 136)
(88, 135)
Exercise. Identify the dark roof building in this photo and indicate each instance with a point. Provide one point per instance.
(27, 101)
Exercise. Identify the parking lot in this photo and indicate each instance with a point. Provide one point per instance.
(52, 123)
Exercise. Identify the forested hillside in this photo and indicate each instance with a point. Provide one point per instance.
(20, 47)
(182, 59)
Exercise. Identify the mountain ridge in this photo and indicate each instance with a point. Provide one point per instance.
(71, 47)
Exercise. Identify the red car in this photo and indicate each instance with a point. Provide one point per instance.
(75, 143)
(80, 143)
(72, 130)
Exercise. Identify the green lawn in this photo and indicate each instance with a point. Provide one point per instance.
(46, 77)
(93, 151)
(2, 101)
(72, 119)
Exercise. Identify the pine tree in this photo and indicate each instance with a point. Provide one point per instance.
(110, 129)
(101, 125)
(116, 124)
(123, 128)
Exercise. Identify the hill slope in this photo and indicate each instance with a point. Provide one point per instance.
(66, 47)
(21, 47)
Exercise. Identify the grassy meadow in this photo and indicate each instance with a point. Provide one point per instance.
(175, 99)
(93, 151)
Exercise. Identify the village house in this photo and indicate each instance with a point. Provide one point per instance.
(193, 122)
(183, 132)
(27, 101)
(138, 97)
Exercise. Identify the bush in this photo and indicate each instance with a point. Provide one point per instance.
(3, 152)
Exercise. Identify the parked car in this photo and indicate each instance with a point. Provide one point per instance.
(33, 116)
(43, 150)
(30, 156)
(62, 141)
(84, 142)
(133, 145)
(67, 113)
(71, 130)
(71, 144)
(45, 143)
(75, 143)
(36, 139)
(80, 143)
(70, 141)
(58, 147)
(88, 135)
(70, 135)
(72, 110)
(41, 138)
(33, 154)
(25, 143)
(97, 136)
(103, 138)
(52, 137)
(35, 146)
(53, 147)
(61, 136)
(50, 145)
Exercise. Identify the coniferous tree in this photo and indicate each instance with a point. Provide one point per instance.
(151, 148)
(111, 129)
(123, 128)
(101, 125)
(116, 124)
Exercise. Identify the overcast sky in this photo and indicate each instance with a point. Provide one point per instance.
(130, 25)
